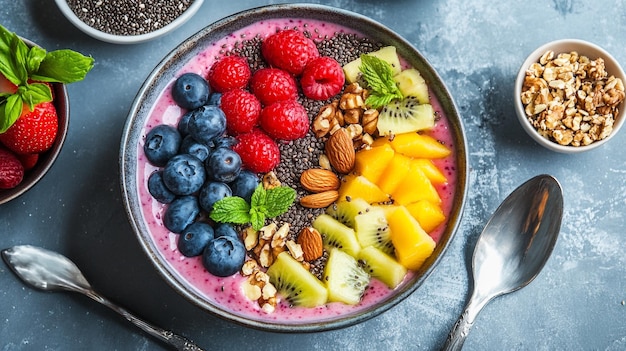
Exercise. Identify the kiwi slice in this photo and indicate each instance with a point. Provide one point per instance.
(344, 278)
(382, 266)
(404, 116)
(345, 211)
(372, 229)
(296, 284)
(336, 234)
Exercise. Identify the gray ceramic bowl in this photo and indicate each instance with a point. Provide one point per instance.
(166, 71)
(46, 159)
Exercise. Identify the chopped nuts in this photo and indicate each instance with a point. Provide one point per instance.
(571, 99)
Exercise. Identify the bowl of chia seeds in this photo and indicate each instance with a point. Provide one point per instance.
(336, 33)
(126, 21)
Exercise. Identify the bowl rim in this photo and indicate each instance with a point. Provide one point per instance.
(47, 158)
(583, 47)
(134, 124)
(127, 39)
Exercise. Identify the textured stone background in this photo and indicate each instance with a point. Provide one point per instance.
(576, 303)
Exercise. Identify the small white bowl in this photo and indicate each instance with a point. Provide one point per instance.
(127, 39)
(583, 48)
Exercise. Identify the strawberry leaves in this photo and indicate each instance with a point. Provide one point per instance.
(27, 67)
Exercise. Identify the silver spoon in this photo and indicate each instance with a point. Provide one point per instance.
(512, 249)
(51, 271)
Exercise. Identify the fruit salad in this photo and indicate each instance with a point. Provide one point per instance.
(296, 171)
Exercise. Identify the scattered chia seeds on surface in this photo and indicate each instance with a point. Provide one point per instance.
(128, 17)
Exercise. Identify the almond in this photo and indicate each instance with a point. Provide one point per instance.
(311, 242)
(317, 180)
(340, 151)
(320, 200)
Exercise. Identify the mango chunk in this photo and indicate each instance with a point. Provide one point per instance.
(428, 214)
(431, 171)
(415, 186)
(394, 173)
(357, 186)
(413, 245)
(372, 163)
(419, 146)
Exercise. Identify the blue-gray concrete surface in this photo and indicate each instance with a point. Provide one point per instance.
(576, 303)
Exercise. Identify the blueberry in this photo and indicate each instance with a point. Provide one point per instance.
(183, 124)
(244, 185)
(207, 123)
(224, 256)
(158, 190)
(184, 174)
(193, 240)
(215, 99)
(223, 165)
(224, 141)
(181, 213)
(211, 193)
(192, 147)
(162, 143)
(225, 229)
(190, 91)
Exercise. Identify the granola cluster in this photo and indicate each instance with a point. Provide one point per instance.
(571, 99)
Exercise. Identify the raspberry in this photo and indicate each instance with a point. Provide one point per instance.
(259, 153)
(286, 120)
(230, 72)
(290, 50)
(11, 170)
(272, 85)
(242, 110)
(322, 78)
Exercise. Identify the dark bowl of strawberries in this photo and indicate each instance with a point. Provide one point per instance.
(35, 110)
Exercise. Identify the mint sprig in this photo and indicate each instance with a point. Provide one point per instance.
(27, 68)
(264, 204)
(379, 77)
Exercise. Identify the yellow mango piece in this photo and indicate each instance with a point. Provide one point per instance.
(431, 171)
(415, 186)
(383, 140)
(413, 245)
(371, 163)
(429, 215)
(356, 186)
(419, 146)
(396, 171)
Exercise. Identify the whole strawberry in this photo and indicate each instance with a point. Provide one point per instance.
(286, 120)
(322, 78)
(289, 50)
(242, 110)
(272, 85)
(34, 132)
(229, 72)
(259, 153)
(11, 170)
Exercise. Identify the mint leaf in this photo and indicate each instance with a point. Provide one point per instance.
(64, 66)
(259, 197)
(33, 59)
(257, 219)
(278, 200)
(10, 111)
(34, 94)
(232, 209)
(379, 76)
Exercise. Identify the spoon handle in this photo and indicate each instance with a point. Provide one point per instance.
(460, 330)
(178, 342)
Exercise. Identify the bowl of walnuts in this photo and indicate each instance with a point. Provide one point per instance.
(569, 96)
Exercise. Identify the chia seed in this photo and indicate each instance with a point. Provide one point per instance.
(128, 17)
(304, 153)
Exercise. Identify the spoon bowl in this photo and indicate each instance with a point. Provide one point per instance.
(512, 249)
(50, 271)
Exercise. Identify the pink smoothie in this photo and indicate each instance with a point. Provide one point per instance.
(227, 292)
